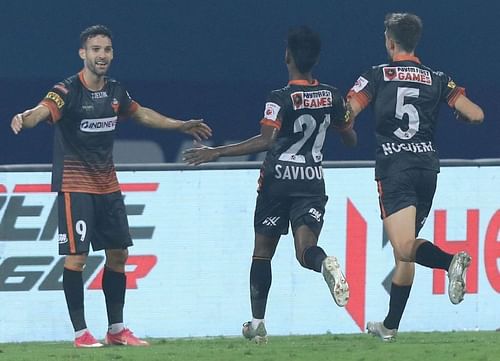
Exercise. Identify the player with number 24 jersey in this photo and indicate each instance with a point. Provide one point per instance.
(302, 112)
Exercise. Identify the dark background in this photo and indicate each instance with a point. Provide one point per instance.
(218, 60)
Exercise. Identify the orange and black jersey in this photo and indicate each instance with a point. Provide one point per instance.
(406, 98)
(302, 112)
(85, 123)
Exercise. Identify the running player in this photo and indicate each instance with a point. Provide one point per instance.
(291, 186)
(406, 97)
(85, 110)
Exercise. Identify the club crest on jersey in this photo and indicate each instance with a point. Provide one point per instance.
(115, 104)
(312, 99)
(98, 125)
(407, 73)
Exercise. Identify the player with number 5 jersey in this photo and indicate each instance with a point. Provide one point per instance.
(291, 188)
(406, 97)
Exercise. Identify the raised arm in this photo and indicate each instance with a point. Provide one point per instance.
(468, 111)
(259, 143)
(150, 118)
(29, 118)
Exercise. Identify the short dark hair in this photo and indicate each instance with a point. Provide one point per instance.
(304, 45)
(404, 28)
(92, 31)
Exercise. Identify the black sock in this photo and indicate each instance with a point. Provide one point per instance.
(114, 285)
(429, 255)
(260, 283)
(313, 258)
(73, 291)
(397, 304)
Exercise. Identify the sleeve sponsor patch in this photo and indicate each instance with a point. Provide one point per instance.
(271, 111)
(360, 84)
(56, 98)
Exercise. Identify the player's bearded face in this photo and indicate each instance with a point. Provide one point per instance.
(98, 54)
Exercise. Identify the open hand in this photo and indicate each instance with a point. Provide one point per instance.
(196, 156)
(196, 128)
(17, 122)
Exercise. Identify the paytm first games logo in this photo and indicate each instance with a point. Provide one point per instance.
(47, 270)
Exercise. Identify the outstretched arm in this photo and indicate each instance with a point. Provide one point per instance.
(150, 118)
(349, 135)
(29, 118)
(468, 111)
(259, 143)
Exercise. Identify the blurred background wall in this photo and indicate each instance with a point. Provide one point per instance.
(218, 60)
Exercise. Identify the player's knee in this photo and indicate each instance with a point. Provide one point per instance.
(116, 259)
(75, 262)
(404, 251)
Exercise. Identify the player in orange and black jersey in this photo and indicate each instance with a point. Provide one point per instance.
(291, 185)
(85, 110)
(302, 112)
(406, 98)
(85, 129)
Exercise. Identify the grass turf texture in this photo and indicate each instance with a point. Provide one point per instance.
(433, 346)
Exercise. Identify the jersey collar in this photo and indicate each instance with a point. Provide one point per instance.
(303, 82)
(406, 57)
(84, 83)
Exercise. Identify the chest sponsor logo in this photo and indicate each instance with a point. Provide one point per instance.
(407, 73)
(56, 98)
(98, 125)
(312, 99)
(271, 111)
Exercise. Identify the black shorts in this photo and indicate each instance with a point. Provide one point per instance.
(273, 215)
(97, 219)
(411, 187)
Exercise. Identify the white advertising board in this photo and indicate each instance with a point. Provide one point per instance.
(189, 268)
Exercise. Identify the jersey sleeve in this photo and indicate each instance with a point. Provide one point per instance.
(363, 89)
(272, 111)
(127, 105)
(56, 100)
(451, 91)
